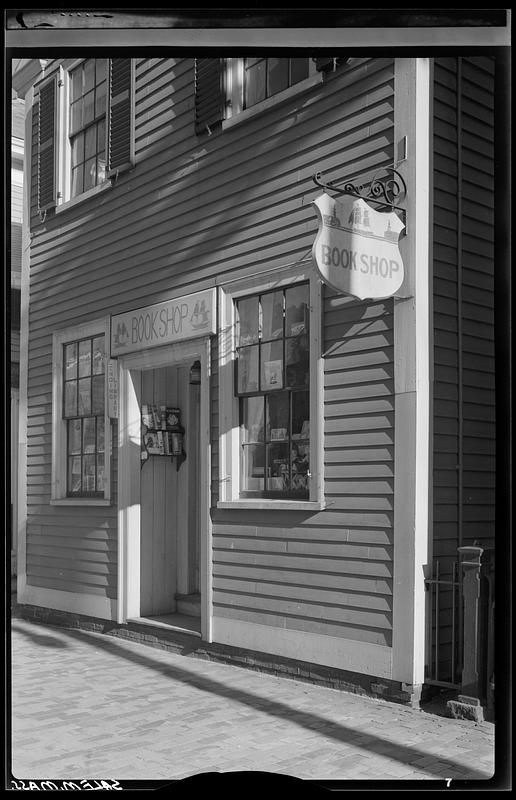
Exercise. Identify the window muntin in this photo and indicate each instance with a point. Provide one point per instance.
(265, 77)
(272, 382)
(83, 411)
(87, 124)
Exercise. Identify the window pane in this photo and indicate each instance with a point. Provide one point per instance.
(253, 463)
(100, 100)
(70, 361)
(100, 69)
(100, 434)
(78, 149)
(278, 468)
(77, 180)
(74, 437)
(278, 75)
(252, 416)
(272, 366)
(90, 173)
(88, 473)
(298, 70)
(300, 415)
(255, 84)
(88, 108)
(100, 473)
(88, 435)
(84, 397)
(297, 352)
(90, 142)
(98, 394)
(76, 116)
(84, 358)
(101, 136)
(247, 368)
(74, 474)
(89, 75)
(300, 466)
(248, 320)
(272, 315)
(296, 301)
(76, 83)
(70, 409)
(98, 355)
(277, 416)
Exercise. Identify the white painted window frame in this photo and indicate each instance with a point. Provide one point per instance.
(234, 92)
(229, 423)
(59, 469)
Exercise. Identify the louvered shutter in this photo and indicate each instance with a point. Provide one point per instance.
(47, 146)
(208, 94)
(120, 115)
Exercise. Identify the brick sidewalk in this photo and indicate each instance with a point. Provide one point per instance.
(87, 705)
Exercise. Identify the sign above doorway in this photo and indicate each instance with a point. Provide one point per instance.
(174, 320)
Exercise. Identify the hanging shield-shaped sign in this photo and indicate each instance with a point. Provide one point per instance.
(356, 248)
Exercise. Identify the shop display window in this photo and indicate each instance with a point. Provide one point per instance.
(272, 382)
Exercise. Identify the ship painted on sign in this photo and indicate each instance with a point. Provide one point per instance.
(200, 317)
(358, 221)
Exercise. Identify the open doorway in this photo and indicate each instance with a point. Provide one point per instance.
(169, 502)
(164, 574)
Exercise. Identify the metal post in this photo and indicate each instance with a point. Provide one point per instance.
(471, 691)
(469, 702)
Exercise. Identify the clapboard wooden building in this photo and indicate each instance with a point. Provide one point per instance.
(214, 440)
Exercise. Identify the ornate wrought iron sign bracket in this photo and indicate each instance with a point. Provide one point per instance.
(386, 187)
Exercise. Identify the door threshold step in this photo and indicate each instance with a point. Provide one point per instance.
(182, 623)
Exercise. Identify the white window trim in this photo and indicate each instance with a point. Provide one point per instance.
(229, 427)
(59, 470)
(64, 150)
(234, 92)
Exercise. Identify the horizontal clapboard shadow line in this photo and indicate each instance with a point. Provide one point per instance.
(307, 617)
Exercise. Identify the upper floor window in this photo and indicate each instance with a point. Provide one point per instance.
(265, 77)
(87, 126)
(229, 90)
(251, 84)
(84, 120)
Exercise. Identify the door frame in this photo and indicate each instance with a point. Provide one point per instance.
(129, 467)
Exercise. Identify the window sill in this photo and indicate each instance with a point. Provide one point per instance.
(79, 501)
(83, 197)
(259, 108)
(274, 505)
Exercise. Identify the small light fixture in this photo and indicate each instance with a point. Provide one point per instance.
(195, 373)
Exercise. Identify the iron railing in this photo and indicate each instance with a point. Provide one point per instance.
(445, 589)
(462, 598)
